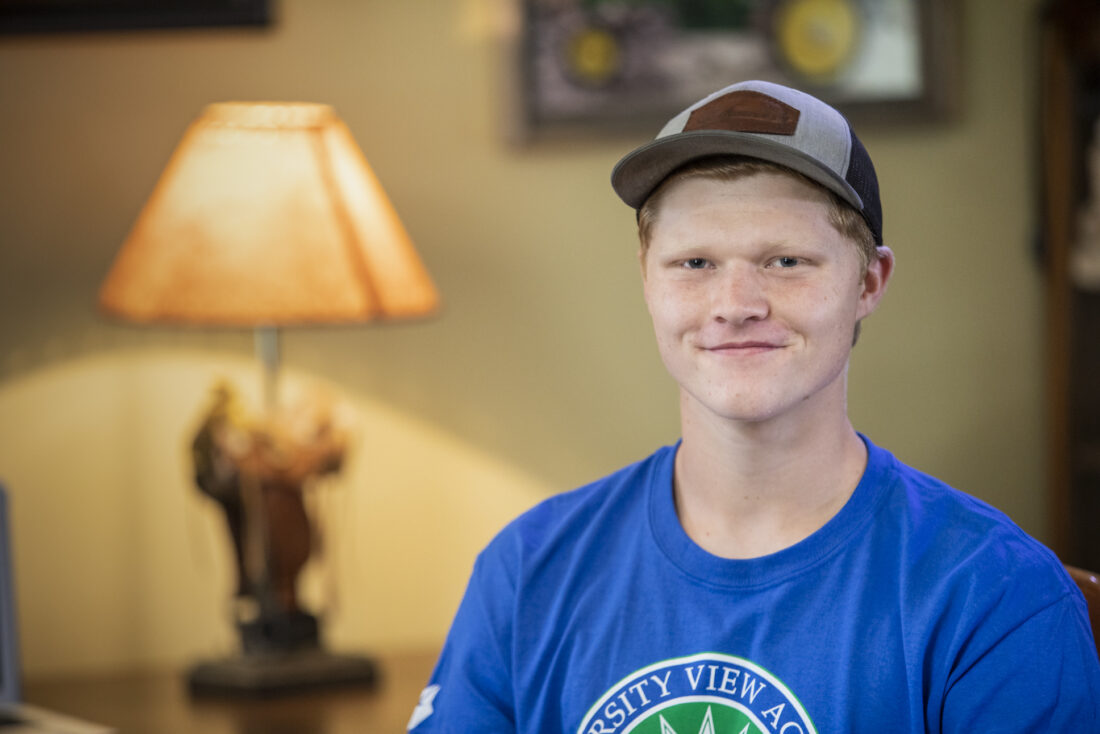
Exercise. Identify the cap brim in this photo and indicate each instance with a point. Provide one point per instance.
(639, 172)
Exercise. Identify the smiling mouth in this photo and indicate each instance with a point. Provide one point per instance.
(744, 348)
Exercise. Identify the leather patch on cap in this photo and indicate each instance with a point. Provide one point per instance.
(745, 111)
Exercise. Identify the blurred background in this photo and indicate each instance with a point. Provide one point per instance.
(537, 375)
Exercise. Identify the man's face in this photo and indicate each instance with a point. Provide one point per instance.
(755, 296)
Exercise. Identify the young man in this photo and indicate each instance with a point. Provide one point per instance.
(774, 571)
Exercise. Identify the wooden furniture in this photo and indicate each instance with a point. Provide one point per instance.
(159, 703)
(1089, 584)
(1069, 110)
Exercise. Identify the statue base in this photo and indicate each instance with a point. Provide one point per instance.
(274, 674)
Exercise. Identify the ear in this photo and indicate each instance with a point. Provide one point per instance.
(875, 281)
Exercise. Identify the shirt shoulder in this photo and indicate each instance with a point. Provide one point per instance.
(611, 502)
(953, 540)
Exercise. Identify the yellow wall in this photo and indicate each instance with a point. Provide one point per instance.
(538, 375)
(122, 562)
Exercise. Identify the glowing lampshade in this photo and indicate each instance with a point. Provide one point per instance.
(267, 214)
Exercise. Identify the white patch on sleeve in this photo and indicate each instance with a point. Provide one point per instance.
(424, 708)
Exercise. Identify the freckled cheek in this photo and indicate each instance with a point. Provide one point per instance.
(672, 308)
(834, 318)
(669, 326)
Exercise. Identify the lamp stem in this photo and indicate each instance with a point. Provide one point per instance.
(266, 339)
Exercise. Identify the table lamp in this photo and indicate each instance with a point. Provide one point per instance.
(267, 216)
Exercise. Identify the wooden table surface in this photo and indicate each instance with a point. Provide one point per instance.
(159, 703)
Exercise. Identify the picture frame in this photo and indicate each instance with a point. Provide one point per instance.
(53, 16)
(600, 66)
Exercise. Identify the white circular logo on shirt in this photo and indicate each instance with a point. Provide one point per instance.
(708, 693)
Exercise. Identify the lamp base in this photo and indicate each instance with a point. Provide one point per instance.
(280, 673)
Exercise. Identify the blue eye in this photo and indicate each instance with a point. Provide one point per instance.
(695, 263)
(787, 262)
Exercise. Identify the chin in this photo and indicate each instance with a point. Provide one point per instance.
(739, 409)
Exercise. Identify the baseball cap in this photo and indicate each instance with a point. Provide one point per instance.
(759, 120)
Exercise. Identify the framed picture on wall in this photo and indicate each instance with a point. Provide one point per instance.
(620, 64)
(47, 16)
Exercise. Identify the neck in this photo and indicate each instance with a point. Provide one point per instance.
(745, 490)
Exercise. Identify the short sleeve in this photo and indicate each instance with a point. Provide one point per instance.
(1041, 675)
(471, 688)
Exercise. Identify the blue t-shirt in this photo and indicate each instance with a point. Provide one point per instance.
(915, 609)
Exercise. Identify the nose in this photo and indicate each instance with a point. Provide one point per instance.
(738, 296)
